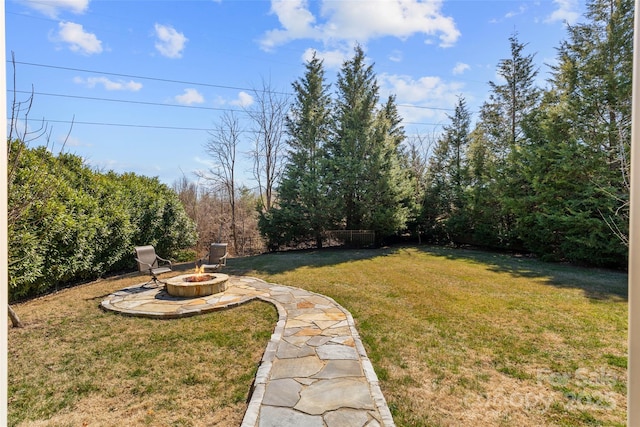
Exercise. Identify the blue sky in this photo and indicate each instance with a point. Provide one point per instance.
(144, 80)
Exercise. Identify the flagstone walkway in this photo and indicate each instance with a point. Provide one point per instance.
(314, 371)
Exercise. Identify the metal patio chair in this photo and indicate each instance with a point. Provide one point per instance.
(149, 262)
(217, 257)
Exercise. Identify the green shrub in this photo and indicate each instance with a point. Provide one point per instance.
(185, 255)
(69, 223)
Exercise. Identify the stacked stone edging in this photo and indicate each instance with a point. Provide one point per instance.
(314, 370)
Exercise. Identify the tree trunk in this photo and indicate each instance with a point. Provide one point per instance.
(15, 320)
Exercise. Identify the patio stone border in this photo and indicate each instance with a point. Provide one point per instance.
(314, 371)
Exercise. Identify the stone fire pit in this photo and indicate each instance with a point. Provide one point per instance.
(197, 285)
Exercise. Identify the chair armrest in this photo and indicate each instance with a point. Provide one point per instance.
(223, 259)
(165, 260)
(210, 266)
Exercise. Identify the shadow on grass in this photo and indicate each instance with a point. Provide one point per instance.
(280, 262)
(596, 283)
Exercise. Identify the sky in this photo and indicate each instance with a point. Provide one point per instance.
(145, 82)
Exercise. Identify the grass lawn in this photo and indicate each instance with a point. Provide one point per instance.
(456, 337)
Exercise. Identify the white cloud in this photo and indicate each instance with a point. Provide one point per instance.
(422, 89)
(567, 11)
(522, 9)
(511, 14)
(396, 56)
(52, 8)
(170, 42)
(332, 59)
(189, 97)
(243, 100)
(359, 21)
(219, 101)
(297, 22)
(460, 68)
(421, 93)
(78, 39)
(108, 84)
(206, 162)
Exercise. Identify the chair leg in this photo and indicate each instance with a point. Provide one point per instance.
(157, 282)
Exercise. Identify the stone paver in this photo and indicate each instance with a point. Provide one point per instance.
(314, 371)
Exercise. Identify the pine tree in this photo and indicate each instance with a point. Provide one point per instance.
(500, 124)
(594, 77)
(449, 174)
(511, 101)
(482, 202)
(389, 191)
(559, 217)
(304, 210)
(414, 160)
(304, 187)
(350, 148)
(366, 177)
(575, 164)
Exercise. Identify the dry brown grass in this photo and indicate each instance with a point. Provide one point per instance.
(466, 338)
(457, 338)
(76, 365)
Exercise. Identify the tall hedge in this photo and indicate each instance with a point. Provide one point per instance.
(69, 223)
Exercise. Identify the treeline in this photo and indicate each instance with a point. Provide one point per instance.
(540, 170)
(69, 223)
(544, 170)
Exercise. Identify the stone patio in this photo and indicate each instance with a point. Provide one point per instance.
(314, 371)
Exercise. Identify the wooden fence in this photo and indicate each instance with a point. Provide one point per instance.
(353, 238)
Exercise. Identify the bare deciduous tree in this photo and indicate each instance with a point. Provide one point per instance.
(20, 130)
(268, 116)
(208, 207)
(222, 147)
(417, 151)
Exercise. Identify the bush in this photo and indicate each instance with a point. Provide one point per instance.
(68, 223)
(185, 255)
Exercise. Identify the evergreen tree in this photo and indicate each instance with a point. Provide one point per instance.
(593, 76)
(414, 160)
(304, 209)
(482, 203)
(435, 207)
(364, 153)
(512, 100)
(575, 164)
(559, 219)
(449, 177)
(350, 148)
(389, 190)
(500, 125)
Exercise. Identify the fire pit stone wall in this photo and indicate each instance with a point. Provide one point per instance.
(179, 286)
